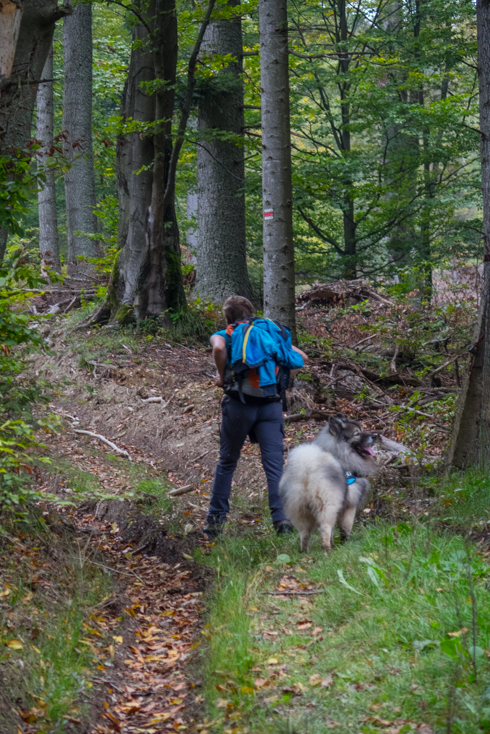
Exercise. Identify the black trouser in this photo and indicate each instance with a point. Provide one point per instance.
(264, 423)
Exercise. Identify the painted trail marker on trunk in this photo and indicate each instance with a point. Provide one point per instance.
(268, 213)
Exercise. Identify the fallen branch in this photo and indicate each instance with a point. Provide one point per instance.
(108, 683)
(152, 400)
(318, 415)
(446, 364)
(372, 377)
(72, 418)
(113, 446)
(393, 361)
(424, 415)
(294, 593)
(117, 570)
(107, 367)
(181, 490)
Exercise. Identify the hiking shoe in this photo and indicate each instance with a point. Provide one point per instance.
(283, 527)
(213, 529)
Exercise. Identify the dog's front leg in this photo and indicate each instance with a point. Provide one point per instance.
(346, 523)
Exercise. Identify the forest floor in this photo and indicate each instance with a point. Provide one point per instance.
(119, 617)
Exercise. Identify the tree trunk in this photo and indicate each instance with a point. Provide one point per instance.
(470, 440)
(162, 287)
(124, 161)
(221, 248)
(136, 155)
(46, 198)
(350, 242)
(19, 94)
(77, 128)
(147, 276)
(279, 303)
(10, 18)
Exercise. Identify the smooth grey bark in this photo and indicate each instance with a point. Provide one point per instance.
(46, 199)
(470, 440)
(123, 164)
(77, 130)
(192, 234)
(19, 93)
(279, 295)
(221, 269)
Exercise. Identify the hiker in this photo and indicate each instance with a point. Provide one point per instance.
(253, 403)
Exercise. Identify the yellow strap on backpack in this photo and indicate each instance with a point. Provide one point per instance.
(245, 340)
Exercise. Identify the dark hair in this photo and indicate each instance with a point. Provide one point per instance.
(237, 308)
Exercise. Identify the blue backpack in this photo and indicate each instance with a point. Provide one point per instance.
(259, 359)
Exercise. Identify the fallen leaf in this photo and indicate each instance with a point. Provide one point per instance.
(164, 716)
(247, 689)
(327, 681)
(458, 633)
(222, 703)
(315, 679)
(273, 661)
(304, 624)
(15, 645)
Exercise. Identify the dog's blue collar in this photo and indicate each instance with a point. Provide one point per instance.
(350, 477)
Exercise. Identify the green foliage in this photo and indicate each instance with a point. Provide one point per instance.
(17, 331)
(17, 182)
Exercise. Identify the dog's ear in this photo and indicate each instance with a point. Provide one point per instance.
(342, 418)
(335, 426)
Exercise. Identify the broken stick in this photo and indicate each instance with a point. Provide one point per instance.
(113, 446)
(181, 490)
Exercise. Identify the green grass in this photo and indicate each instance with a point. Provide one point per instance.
(380, 635)
(50, 594)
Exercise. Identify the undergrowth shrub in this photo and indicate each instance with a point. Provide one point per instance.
(18, 331)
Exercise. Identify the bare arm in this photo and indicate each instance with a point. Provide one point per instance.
(218, 344)
(305, 358)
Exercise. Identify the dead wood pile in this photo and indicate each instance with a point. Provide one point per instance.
(341, 293)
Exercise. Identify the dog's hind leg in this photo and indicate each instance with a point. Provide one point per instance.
(346, 523)
(305, 529)
(326, 522)
(304, 537)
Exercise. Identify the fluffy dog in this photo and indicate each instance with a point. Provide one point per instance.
(324, 483)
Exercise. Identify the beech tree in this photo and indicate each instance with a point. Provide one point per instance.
(18, 94)
(146, 279)
(49, 245)
(10, 18)
(470, 439)
(221, 269)
(77, 147)
(277, 195)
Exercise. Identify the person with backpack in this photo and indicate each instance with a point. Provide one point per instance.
(254, 358)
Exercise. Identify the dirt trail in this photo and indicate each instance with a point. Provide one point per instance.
(144, 680)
